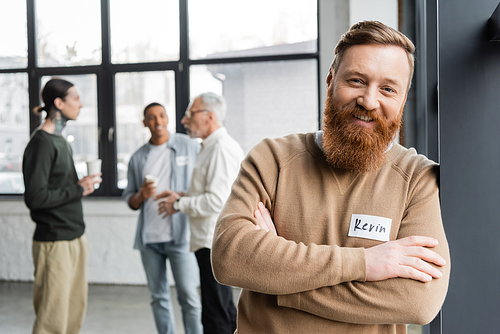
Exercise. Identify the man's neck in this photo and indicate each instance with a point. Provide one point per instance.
(159, 140)
(48, 126)
(211, 130)
(55, 123)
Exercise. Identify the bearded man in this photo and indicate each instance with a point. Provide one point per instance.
(339, 231)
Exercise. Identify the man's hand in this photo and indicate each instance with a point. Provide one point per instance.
(167, 193)
(88, 183)
(264, 220)
(407, 258)
(166, 205)
(147, 190)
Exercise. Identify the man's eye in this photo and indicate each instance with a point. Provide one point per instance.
(389, 90)
(356, 81)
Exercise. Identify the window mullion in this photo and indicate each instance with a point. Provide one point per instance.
(182, 74)
(106, 107)
(33, 76)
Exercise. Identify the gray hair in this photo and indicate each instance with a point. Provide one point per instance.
(214, 103)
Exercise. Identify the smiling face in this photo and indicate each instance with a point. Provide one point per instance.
(364, 105)
(70, 106)
(374, 77)
(156, 120)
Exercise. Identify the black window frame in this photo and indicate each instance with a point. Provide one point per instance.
(105, 74)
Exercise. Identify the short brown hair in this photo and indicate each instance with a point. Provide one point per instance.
(373, 32)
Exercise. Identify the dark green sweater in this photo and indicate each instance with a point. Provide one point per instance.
(51, 190)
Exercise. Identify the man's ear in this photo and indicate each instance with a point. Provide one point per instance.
(329, 77)
(212, 119)
(58, 103)
(406, 96)
(211, 116)
(403, 105)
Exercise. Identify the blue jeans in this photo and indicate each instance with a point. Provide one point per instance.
(186, 275)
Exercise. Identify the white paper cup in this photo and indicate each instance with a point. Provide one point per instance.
(94, 167)
(152, 178)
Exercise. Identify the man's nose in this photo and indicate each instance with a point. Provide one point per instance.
(184, 120)
(368, 99)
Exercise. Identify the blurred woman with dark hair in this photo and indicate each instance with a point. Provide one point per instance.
(53, 194)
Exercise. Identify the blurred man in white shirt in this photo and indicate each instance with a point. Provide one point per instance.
(215, 169)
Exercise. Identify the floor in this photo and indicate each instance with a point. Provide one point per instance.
(111, 309)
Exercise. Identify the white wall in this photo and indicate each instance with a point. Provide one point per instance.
(110, 233)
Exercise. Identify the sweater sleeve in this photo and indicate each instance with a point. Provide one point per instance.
(37, 164)
(259, 261)
(396, 300)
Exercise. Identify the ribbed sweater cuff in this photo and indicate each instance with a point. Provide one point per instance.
(353, 264)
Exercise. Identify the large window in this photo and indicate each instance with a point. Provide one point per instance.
(217, 28)
(144, 31)
(272, 98)
(82, 135)
(123, 54)
(68, 32)
(134, 91)
(14, 130)
(13, 36)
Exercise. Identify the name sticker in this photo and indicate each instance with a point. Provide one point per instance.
(182, 160)
(370, 227)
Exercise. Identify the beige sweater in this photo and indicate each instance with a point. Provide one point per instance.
(311, 277)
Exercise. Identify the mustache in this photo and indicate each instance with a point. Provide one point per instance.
(353, 109)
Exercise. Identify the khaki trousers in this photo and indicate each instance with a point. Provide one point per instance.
(60, 288)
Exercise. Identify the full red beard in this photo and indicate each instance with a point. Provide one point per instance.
(352, 147)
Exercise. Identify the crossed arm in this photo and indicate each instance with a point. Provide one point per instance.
(395, 290)
(406, 258)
